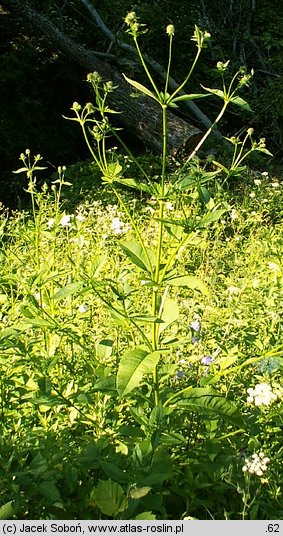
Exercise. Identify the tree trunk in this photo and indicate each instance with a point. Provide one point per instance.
(141, 116)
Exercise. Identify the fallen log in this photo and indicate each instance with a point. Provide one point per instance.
(141, 116)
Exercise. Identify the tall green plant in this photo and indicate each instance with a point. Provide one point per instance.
(159, 267)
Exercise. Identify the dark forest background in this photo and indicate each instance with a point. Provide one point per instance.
(38, 83)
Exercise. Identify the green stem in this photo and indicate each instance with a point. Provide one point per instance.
(145, 67)
(187, 78)
(155, 327)
(208, 132)
(169, 65)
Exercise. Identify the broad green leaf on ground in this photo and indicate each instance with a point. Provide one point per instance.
(7, 510)
(109, 497)
(189, 281)
(205, 400)
(133, 366)
(137, 256)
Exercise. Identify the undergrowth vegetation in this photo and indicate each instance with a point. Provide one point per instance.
(140, 344)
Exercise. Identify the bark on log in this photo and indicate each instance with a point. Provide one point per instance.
(140, 116)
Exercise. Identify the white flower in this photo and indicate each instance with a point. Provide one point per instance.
(233, 214)
(83, 308)
(256, 464)
(262, 395)
(80, 217)
(275, 184)
(265, 173)
(169, 205)
(51, 222)
(118, 226)
(252, 195)
(234, 290)
(257, 182)
(65, 221)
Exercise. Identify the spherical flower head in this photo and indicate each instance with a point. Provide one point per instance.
(76, 107)
(170, 30)
(250, 131)
(94, 78)
(131, 18)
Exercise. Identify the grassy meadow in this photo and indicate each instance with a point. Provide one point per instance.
(141, 325)
(72, 303)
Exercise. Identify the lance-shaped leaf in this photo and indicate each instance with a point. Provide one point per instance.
(217, 92)
(192, 96)
(190, 281)
(205, 400)
(133, 366)
(135, 252)
(241, 103)
(68, 290)
(141, 88)
(212, 216)
(133, 183)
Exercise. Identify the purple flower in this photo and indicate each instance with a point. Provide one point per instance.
(180, 375)
(207, 360)
(195, 325)
(195, 340)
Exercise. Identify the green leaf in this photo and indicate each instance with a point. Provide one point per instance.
(189, 281)
(264, 150)
(241, 103)
(68, 290)
(49, 491)
(212, 216)
(133, 366)
(217, 92)
(204, 194)
(146, 516)
(192, 96)
(141, 88)
(136, 254)
(147, 319)
(115, 473)
(133, 183)
(205, 400)
(138, 493)
(7, 510)
(104, 349)
(109, 497)
(170, 313)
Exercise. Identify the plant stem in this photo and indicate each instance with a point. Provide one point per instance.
(155, 327)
